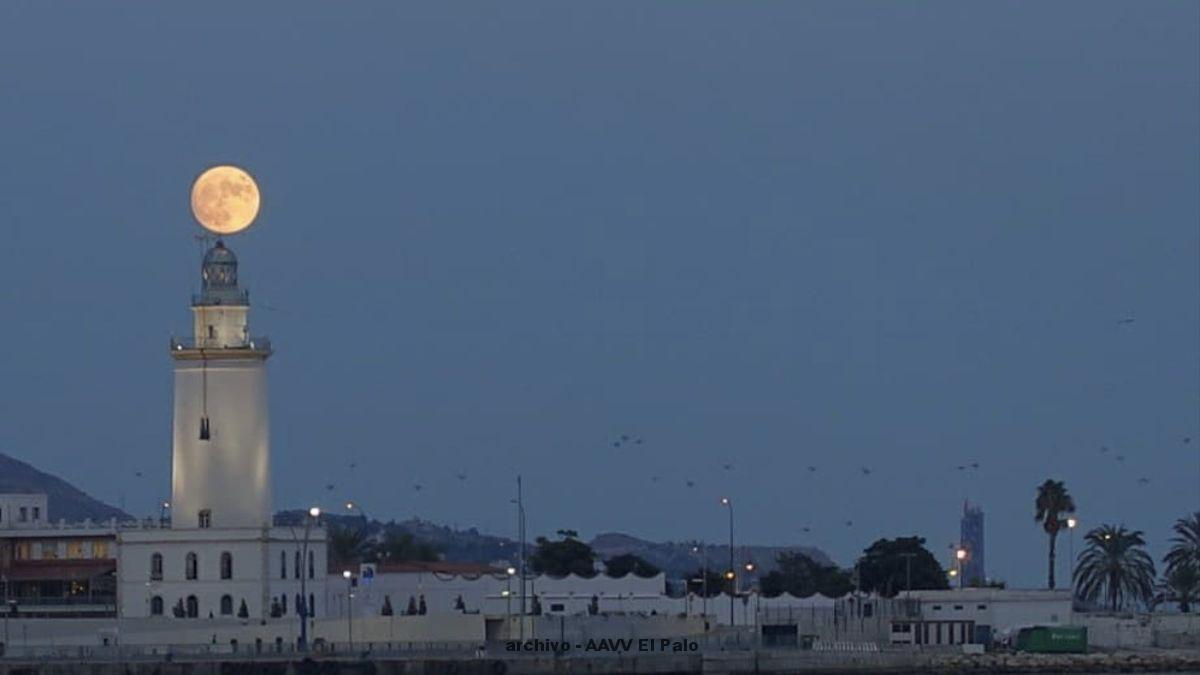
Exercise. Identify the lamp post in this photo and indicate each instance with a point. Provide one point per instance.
(520, 502)
(349, 577)
(162, 513)
(703, 553)
(302, 608)
(1071, 523)
(508, 589)
(960, 554)
(731, 575)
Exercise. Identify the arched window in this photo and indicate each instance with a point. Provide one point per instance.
(283, 564)
(156, 606)
(311, 565)
(283, 603)
(193, 607)
(190, 567)
(312, 605)
(300, 605)
(226, 566)
(205, 518)
(156, 567)
(226, 605)
(296, 570)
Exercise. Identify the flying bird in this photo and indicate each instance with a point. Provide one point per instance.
(974, 465)
(865, 471)
(1187, 439)
(1143, 481)
(849, 523)
(655, 479)
(691, 483)
(1126, 321)
(1120, 458)
(329, 487)
(461, 475)
(961, 467)
(638, 441)
(418, 487)
(728, 467)
(812, 469)
(806, 529)
(1103, 448)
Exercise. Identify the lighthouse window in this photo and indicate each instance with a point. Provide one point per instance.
(206, 518)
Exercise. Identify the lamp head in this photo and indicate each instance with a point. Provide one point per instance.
(314, 512)
(346, 574)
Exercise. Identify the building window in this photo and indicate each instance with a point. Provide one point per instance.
(190, 567)
(50, 550)
(296, 567)
(283, 564)
(205, 518)
(23, 514)
(99, 549)
(74, 550)
(312, 605)
(980, 606)
(300, 605)
(283, 603)
(24, 551)
(156, 606)
(37, 513)
(312, 565)
(226, 605)
(226, 565)
(156, 567)
(957, 607)
(193, 607)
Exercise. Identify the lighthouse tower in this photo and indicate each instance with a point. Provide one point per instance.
(221, 449)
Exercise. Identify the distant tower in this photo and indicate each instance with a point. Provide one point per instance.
(973, 569)
(221, 450)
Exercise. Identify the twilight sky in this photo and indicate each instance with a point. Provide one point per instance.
(497, 236)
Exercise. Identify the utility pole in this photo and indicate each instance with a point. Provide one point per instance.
(521, 565)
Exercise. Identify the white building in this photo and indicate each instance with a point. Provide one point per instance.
(22, 510)
(220, 553)
(972, 615)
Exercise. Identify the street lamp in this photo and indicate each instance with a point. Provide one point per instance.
(1071, 523)
(960, 555)
(349, 577)
(302, 608)
(731, 575)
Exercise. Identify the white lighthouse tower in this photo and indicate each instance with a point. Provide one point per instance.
(221, 454)
(220, 556)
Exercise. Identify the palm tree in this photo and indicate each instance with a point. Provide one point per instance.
(348, 544)
(1052, 503)
(1182, 584)
(1114, 565)
(1185, 549)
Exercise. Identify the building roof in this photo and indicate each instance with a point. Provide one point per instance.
(59, 570)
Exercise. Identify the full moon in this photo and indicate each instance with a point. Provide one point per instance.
(225, 199)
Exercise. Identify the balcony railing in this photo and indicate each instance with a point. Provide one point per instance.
(255, 344)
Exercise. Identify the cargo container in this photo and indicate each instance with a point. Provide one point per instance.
(1052, 640)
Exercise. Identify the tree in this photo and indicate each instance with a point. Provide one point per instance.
(1182, 585)
(387, 606)
(888, 565)
(565, 556)
(422, 608)
(403, 546)
(1115, 566)
(802, 576)
(696, 582)
(1052, 503)
(347, 545)
(621, 565)
(1185, 545)
(243, 610)
(412, 607)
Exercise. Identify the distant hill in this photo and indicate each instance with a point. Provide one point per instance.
(678, 559)
(66, 502)
(674, 558)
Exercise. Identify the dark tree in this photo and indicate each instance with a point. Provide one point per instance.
(276, 609)
(387, 606)
(885, 566)
(565, 556)
(412, 606)
(243, 611)
(536, 608)
(422, 608)
(1052, 503)
(621, 565)
(460, 605)
(594, 606)
(398, 546)
(802, 576)
(716, 583)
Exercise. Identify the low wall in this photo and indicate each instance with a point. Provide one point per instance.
(1141, 631)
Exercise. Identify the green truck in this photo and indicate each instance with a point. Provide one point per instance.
(1052, 640)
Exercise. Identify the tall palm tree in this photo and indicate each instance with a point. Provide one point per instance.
(1114, 565)
(1185, 549)
(1052, 503)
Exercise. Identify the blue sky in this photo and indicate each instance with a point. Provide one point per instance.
(496, 237)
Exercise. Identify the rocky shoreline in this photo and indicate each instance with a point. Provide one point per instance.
(1146, 661)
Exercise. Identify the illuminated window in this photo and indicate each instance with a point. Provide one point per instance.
(74, 550)
(99, 549)
(50, 550)
(24, 551)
